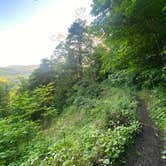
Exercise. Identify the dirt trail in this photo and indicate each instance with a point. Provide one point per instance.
(148, 145)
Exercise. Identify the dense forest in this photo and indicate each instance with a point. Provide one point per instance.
(79, 107)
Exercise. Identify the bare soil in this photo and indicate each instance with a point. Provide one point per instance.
(148, 145)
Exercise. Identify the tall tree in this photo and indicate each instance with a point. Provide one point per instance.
(79, 45)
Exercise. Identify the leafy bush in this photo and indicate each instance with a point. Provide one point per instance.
(84, 103)
(14, 137)
(88, 89)
(114, 142)
(37, 105)
(121, 78)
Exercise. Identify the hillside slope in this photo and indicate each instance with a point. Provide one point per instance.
(15, 71)
(91, 131)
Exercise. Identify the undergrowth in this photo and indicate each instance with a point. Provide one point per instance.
(92, 131)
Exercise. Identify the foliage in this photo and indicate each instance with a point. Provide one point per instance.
(15, 136)
(68, 112)
(157, 107)
(88, 89)
(4, 97)
(134, 33)
(121, 79)
(42, 75)
(78, 46)
(85, 136)
(37, 105)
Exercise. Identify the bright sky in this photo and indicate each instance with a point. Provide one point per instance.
(28, 28)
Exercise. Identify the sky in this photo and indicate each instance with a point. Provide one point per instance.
(31, 29)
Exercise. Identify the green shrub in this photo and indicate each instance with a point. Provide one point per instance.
(88, 89)
(14, 137)
(85, 103)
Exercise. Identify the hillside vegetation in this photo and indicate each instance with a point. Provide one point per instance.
(79, 108)
(15, 71)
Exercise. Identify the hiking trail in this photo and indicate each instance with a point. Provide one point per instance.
(148, 145)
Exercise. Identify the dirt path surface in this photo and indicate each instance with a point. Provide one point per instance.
(147, 148)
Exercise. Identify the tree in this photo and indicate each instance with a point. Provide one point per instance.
(135, 33)
(79, 46)
(42, 75)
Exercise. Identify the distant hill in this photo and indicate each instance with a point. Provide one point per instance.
(15, 71)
